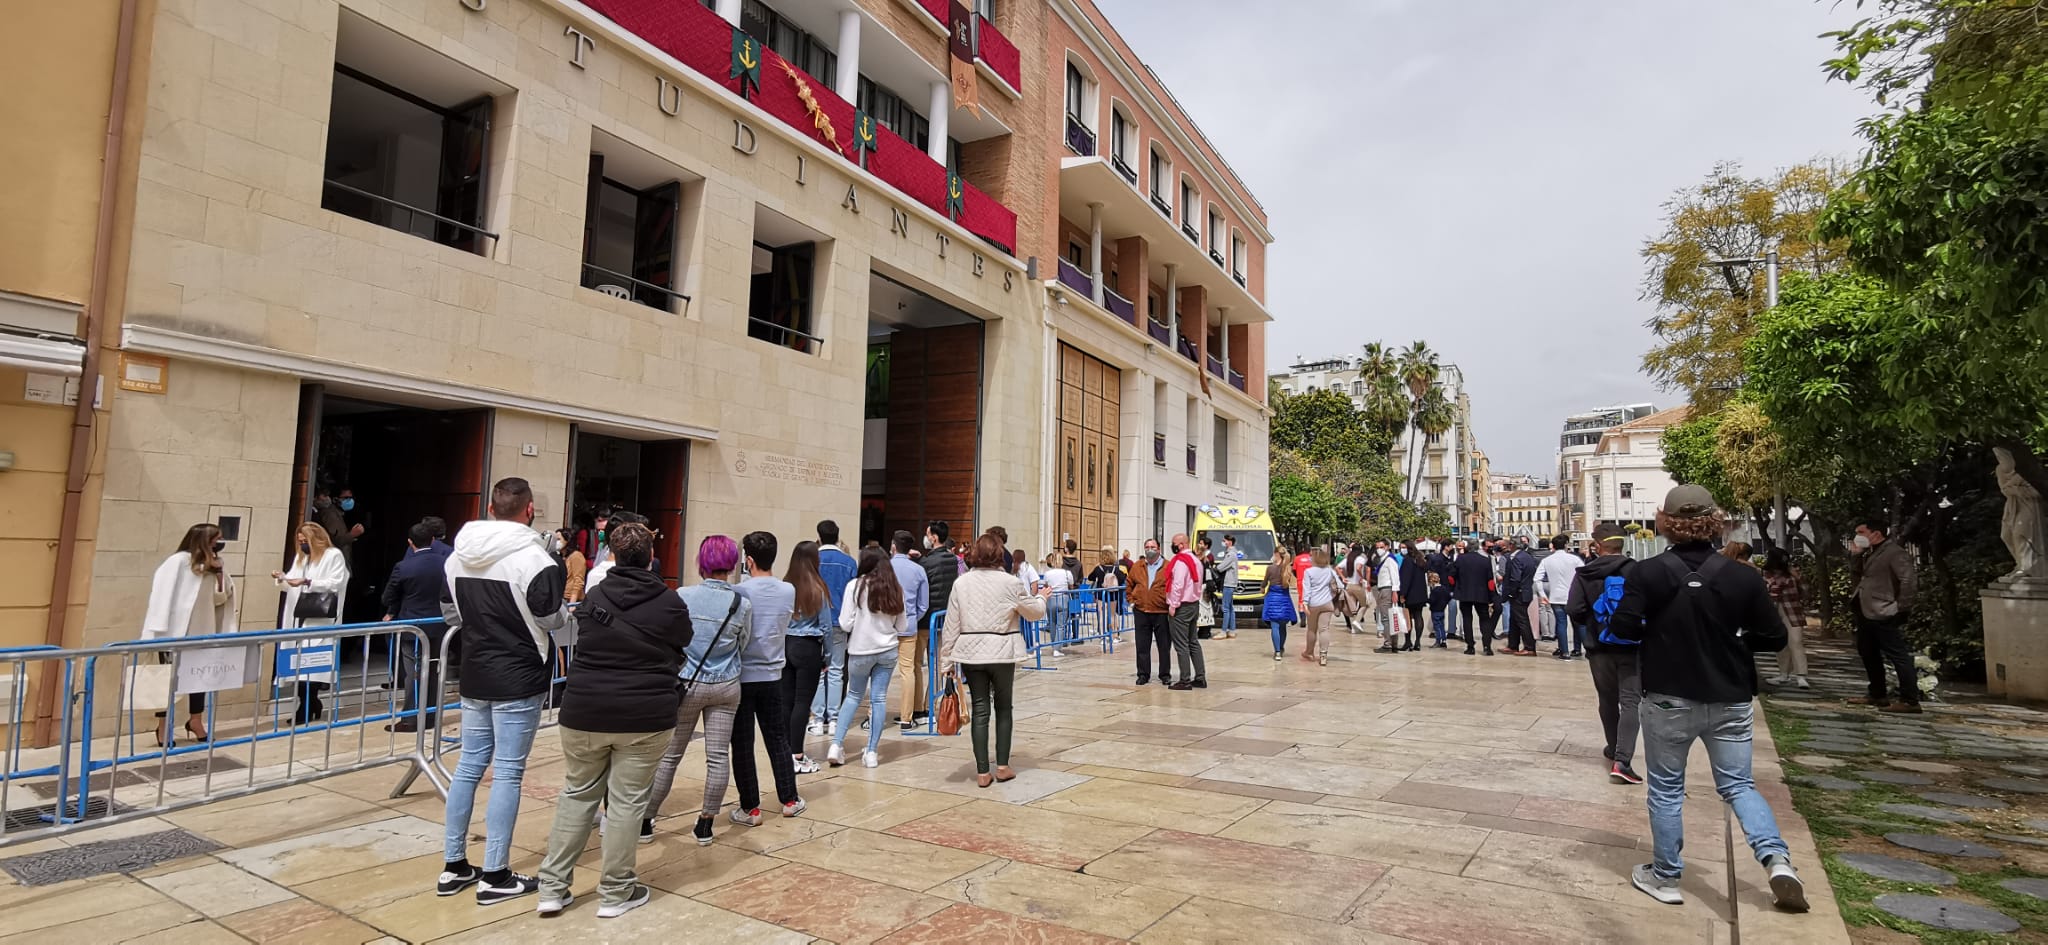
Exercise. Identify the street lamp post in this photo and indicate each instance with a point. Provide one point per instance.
(1769, 261)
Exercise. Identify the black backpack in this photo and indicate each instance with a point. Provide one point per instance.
(1692, 584)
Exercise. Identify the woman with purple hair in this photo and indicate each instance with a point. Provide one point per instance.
(719, 618)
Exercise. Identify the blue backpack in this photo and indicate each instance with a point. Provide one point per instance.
(1603, 612)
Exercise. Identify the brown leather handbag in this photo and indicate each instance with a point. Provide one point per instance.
(949, 708)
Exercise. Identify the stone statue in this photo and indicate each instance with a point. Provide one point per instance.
(2022, 528)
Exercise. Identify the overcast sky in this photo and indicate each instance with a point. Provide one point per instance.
(1481, 175)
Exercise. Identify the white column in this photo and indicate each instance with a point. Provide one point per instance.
(1223, 344)
(729, 11)
(847, 82)
(942, 110)
(1173, 306)
(1095, 249)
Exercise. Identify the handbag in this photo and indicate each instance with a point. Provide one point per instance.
(316, 605)
(148, 686)
(1207, 615)
(949, 708)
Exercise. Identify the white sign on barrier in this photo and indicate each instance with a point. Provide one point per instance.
(216, 668)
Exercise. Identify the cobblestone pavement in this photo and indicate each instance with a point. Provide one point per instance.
(1932, 825)
(1428, 797)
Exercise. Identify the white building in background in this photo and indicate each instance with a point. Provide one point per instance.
(1581, 438)
(1441, 465)
(1522, 504)
(1624, 479)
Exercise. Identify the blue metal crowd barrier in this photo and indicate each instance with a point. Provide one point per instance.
(1082, 615)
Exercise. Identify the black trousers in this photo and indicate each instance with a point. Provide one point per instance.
(1880, 640)
(1521, 635)
(761, 704)
(1152, 632)
(805, 661)
(1619, 685)
(1478, 614)
(990, 686)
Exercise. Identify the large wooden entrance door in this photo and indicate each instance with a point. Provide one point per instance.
(934, 428)
(1090, 408)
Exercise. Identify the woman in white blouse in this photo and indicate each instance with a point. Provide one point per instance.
(319, 568)
(983, 638)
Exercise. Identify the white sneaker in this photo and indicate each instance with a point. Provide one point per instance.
(635, 901)
(817, 727)
(869, 759)
(551, 907)
(747, 818)
(1800, 681)
(795, 807)
(1657, 887)
(835, 755)
(804, 764)
(1785, 885)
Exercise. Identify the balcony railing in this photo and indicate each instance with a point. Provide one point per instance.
(1159, 449)
(1191, 459)
(438, 228)
(698, 38)
(618, 285)
(1129, 173)
(1159, 331)
(1187, 349)
(1216, 366)
(1216, 257)
(1072, 277)
(1189, 231)
(1119, 306)
(1165, 209)
(1080, 140)
(997, 52)
(1239, 276)
(1237, 381)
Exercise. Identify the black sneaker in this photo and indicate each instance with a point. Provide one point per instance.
(702, 831)
(1623, 774)
(1607, 753)
(1182, 686)
(515, 886)
(1166, 681)
(647, 830)
(1144, 680)
(452, 883)
(1201, 684)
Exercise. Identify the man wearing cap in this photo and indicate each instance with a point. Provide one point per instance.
(1701, 620)
(1617, 677)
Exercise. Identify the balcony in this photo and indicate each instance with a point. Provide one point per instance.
(1126, 212)
(995, 51)
(699, 39)
(1165, 209)
(1080, 140)
(1072, 277)
(1159, 450)
(1128, 172)
(1216, 367)
(1187, 348)
(1120, 307)
(1237, 381)
(1159, 331)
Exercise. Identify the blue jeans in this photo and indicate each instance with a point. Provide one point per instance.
(825, 705)
(1279, 635)
(1562, 626)
(1436, 622)
(1670, 724)
(1227, 620)
(866, 674)
(495, 735)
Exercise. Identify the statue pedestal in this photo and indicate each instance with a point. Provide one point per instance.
(2016, 640)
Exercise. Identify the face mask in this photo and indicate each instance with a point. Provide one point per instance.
(348, 505)
(1151, 554)
(1862, 542)
(305, 549)
(600, 536)
(219, 546)
(930, 543)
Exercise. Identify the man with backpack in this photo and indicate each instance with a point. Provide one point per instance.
(1595, 592)
(1701, 619)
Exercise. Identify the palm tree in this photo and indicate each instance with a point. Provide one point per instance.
(1385, 406)
(1434, 415)
(1418, 368)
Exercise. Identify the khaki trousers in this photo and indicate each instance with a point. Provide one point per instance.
(617, 770)
(909, 686)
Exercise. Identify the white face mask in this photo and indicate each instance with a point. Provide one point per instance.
(1862, 542)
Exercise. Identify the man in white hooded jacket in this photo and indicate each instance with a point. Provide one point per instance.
(503, 600)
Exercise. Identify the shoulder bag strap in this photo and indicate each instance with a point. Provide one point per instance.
(729, 612)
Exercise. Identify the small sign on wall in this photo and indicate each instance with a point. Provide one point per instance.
(145, 373)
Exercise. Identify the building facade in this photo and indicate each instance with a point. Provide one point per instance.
(1624, 480)
(1578, 442)
(1481, 518)
(1523, 505)
(413, 247)
(1439, 468)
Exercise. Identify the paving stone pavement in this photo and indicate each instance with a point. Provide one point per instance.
(1428, 797)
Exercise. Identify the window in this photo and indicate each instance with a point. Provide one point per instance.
(1193, 430)
(1159, 520)
(1161, 170)
(1074, 90)
(1434, 439)
(1121, 133)
(803, 50)
(408, 146)
(1077, 255)
(1628, 490)
(1237, 258)
(1080, 130)
(893, 113)
(1215, 235)
(1190, 209)
(629, 233)
(1221, 447)
(780, 300)
(1436, 492)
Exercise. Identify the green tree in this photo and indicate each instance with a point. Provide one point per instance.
(1692, 455)
(1951, 49)
(1323, 425)
(1705, 311)
(1307, 510)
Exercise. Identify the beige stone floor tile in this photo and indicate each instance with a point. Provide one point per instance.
(1397, 763)
(334, 852)
(1327, 718)
(664, 920)
(1260, 791)
(970, 925)
(1392, 809)
(1249, 874)
(1126, 774)
(1184, 762)
(1296, 736)
(1296, 774)
(1391, 840)
(872, 804)
(300, 922)
(954, 774)
(1439, 909)
(1507, 719)
(251, 824)
(375, 886)
(112, 926)
(217, 889)
(1450, 797)
(1063, 897)
(1151, 805)
(1183, 715)
(679, 865)
(1056, 839)
(190, 933)
(28, 908)
(776, 832)
(1214, 922)
(423, 916)
(1523, 773)
(832, 906)
(898, 861)
(1473, 735)
(1595, 871)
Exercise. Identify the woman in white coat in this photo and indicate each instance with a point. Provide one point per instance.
(319, 568)
(191, 595)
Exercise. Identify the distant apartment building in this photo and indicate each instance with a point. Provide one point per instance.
(1623, 480)
(1480, 482)
(1440, 465)
(1523, 505)
(1580, 439)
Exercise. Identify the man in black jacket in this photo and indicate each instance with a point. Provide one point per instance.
(1702, 619)
(1472, 587)
(414, 593)
(504, 599)
(1518, 591)
(1617, 677)
(618, 712)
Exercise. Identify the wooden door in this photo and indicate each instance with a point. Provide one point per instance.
(934, 440)
(665, 483)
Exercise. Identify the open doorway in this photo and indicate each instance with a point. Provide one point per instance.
(397, 463)
(650, 477)
(923, 431)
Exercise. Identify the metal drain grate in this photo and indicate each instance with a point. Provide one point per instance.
(31, 817)
(106, 856)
